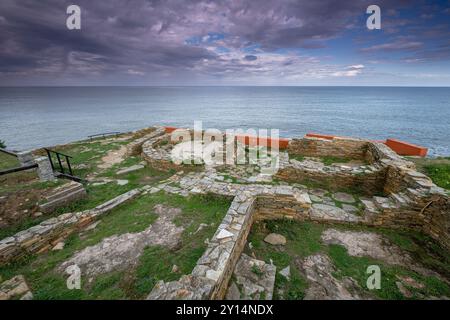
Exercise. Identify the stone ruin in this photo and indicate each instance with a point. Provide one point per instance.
(394, 195)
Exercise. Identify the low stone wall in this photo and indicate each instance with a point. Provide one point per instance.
(63, 195)
(209, 279)
(157, 157)
(368, 182)
(338, 147)
(135, 148)
(48, 233)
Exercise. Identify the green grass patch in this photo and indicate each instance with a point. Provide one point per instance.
(438, 169)
(296, 157)
(8, 162)
(303, 239)
(356, 267)
(440, 174)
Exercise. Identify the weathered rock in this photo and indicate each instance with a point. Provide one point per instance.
(122, 182)
(286, 272)
(367, 244)
(323, 285)
(14, 287)
(255, 278)
(328, 212)
(58, 246)
(233, 292)
(275, 239)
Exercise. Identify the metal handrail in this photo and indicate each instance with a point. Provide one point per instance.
(104, 134)
(11, 153)
(58, 157)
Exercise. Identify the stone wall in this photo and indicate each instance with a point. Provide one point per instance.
(338, 147)
(370, 182)
(135, 148)
(209, 278)
(63, 195)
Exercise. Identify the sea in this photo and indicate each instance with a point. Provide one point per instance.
(32, 117)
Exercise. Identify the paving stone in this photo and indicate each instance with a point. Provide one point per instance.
(121, 182)
(344, 197)
(130, 169)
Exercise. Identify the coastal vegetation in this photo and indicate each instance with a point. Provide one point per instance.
(438, 169)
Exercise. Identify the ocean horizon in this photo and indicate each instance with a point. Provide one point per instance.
(33, 117)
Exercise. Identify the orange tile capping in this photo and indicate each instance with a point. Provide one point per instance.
(170, 129)
(406, 149)
(400, 147)
(282, 142)
(267, 142)
(322, 136)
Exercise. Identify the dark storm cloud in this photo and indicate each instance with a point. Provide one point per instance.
(156, 37)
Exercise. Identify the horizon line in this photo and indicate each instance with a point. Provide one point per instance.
(224, 86)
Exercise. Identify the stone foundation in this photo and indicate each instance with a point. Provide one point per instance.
(48, 233)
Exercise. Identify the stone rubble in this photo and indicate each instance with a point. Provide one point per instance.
(255, 280)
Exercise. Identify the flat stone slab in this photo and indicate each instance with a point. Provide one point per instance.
(328, 212)
(350, 208)
(286, 272)
(343, 197)
(131, 169)
(315, 198)
(275, 239)
(122, 182)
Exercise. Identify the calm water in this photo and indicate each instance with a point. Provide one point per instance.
(35, 117)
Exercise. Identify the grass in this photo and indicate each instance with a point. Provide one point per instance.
(155, 263)
(296, 157)
(438, 169)
(329, 160)
(303, 239)
(440, 174)
(88, 154)
(7, 161)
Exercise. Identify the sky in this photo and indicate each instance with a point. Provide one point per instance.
(225, 42)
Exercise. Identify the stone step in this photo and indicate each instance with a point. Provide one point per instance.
(384, 203)
(64, 199)
(64, 190)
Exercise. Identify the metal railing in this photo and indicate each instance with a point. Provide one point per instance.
(59, 155)
(102, 135)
